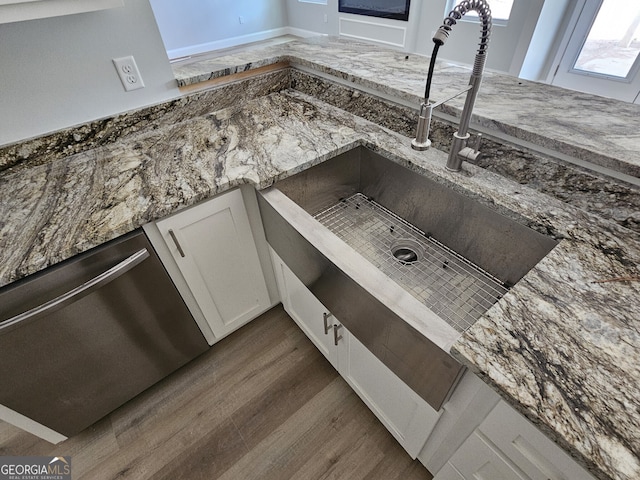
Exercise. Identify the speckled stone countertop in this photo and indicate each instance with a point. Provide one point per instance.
(588, 127)
(563, 346)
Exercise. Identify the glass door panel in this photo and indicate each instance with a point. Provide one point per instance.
(613, 43)
(603, 52)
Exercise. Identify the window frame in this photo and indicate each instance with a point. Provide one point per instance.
(450, 5)
(563, 73)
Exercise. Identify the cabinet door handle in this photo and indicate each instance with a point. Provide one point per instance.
(327, 325)
(336, 336)
(175, 240)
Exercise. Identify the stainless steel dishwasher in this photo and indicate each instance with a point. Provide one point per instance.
(83, 337)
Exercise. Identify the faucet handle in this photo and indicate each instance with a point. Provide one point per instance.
(475, 142)
(470, 153)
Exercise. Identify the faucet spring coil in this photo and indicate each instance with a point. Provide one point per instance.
(478, 64)
(484, 12)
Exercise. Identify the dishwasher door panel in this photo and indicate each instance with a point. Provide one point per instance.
(70, 366)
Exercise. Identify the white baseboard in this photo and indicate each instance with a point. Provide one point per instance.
(240, 40)
(299, 32)
(226, 43)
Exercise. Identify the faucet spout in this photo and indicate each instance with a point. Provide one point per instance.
(459, 149)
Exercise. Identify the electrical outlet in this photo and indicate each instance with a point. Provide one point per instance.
(128, 73)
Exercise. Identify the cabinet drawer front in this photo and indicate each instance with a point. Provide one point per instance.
(529, 449)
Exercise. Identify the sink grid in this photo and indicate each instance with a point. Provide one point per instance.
(451, 286)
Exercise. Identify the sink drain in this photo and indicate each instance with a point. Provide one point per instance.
(406, 255)
(407, 252)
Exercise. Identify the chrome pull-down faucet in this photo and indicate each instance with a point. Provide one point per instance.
(460, 150)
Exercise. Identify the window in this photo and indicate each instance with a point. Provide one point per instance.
(613, 43)
(602, 55)
(500, 11)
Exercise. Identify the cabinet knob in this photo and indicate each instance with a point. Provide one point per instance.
(336, 337)
(327, 325)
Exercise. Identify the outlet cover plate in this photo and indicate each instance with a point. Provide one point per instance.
(128, 73)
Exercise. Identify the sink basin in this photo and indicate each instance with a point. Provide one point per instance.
(406, 263)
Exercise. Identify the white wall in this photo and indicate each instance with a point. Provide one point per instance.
(194, 26)
(310, 16)
(57, 72)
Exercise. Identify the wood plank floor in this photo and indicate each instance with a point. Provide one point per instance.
(261, 404)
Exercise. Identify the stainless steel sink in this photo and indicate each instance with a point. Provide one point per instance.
(406, 263)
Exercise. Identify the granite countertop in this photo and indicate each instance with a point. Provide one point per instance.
(583, 126)
(563, 346)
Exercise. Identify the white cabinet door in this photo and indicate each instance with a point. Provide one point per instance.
(506, 446)
(406, 415)
(215, 251)
(306, 310)
(448, 472)
(478, 459)
(528, 448)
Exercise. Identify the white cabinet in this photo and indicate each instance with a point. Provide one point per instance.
(470, 403)
(448, 472)
(18, 10)
(475, 436)
(405, 414)
(311, 316)
(536, 455)
(506, 446)
(477, 459)
(217, 261)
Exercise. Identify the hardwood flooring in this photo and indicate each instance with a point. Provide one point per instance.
(262, 403)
